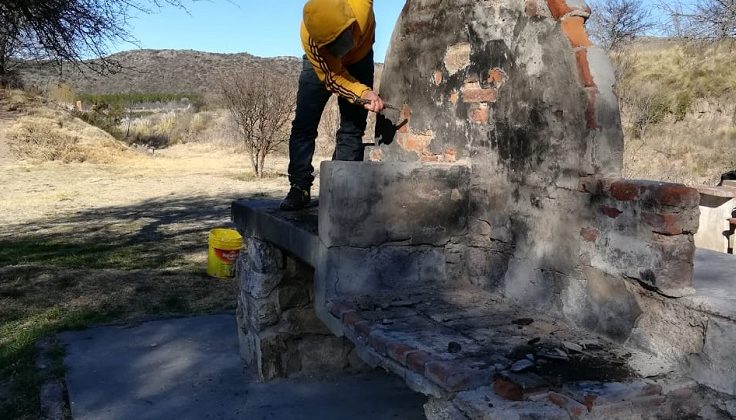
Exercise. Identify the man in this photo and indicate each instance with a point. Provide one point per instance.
(337, 37)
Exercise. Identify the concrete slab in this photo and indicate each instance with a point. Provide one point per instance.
(189, 369)
(714, 280)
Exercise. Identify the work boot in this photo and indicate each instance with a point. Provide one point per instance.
(297, 199)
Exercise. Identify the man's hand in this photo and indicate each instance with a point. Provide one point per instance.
(373, 102)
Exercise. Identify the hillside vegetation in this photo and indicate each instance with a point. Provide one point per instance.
(679, 109)
(165, 71)
(41, 130)
(678, 100)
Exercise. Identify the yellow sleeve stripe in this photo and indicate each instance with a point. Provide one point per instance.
(329, 77)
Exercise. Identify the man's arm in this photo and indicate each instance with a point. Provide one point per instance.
(336, 78)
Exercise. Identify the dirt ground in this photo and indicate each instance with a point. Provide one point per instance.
(83, 244)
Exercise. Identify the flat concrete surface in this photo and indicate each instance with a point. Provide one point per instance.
(190, 369)
(714, 279)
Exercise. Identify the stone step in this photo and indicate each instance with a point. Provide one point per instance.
(456, 340)
(294, 232)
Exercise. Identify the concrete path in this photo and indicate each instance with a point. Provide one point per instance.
(190, 369)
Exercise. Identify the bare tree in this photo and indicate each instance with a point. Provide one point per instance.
(262, 107)
(702, 19)
(616, 21)
(67, 30)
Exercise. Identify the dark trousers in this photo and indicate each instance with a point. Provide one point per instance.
(311, 99)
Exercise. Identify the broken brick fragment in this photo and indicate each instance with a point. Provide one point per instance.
(479, 94)
(376, 155)
(450, 155)
(496, 77)
(480, 114)
(455, 376)
(611, 212)
(417, 360)
(437, 78)
(514, 386)
(573, 407)
(398, 351)
(339, 309)
(590, 234)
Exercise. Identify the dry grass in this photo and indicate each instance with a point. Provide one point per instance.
(678, 110)
(48, 132)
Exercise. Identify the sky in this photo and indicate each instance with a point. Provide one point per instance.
(265, 28)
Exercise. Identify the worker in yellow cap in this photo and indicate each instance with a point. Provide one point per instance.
(337, 37)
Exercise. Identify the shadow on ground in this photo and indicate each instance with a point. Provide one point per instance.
(100, 265)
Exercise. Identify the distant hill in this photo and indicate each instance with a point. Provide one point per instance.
(169, 71)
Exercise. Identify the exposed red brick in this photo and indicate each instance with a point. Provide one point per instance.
(431, 158)
(450, 155)
(454, 96)
(379, 341)
(568, 404)
(350, 318)
(665, 223)
(457, 57)
(611, 212)
(457, 376)
(473, 93)
(417, 143)
(677, 195)
(590, 112)
(589, 401)
(586, 77)
(624, 190)
(437, 78)
(589, 234)
(480, 114)
(507, 389)
(532, 8)
(398, 351)
(363, 329)
(417, 360)
(376, 155)
(339, 309)
(496, 77)
(558, 8)
(574, 29)
(405, 112)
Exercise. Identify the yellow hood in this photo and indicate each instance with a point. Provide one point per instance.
(326, 19)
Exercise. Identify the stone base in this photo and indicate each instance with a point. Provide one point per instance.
(279, 333)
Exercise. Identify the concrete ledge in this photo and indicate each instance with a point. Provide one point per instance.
(365, 204)
(715, 284)
(722, 191)
(293, 232)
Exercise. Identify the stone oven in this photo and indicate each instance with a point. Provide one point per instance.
(488, 250)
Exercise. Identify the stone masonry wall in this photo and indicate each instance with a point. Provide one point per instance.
(280, 335)
(516, 92)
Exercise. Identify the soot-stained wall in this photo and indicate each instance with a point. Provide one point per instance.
(515, 91)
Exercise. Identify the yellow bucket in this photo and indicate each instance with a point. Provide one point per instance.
(224, 248)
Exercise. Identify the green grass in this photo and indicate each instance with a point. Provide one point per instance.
(87, 255)
(18, 354)
(71, 276)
